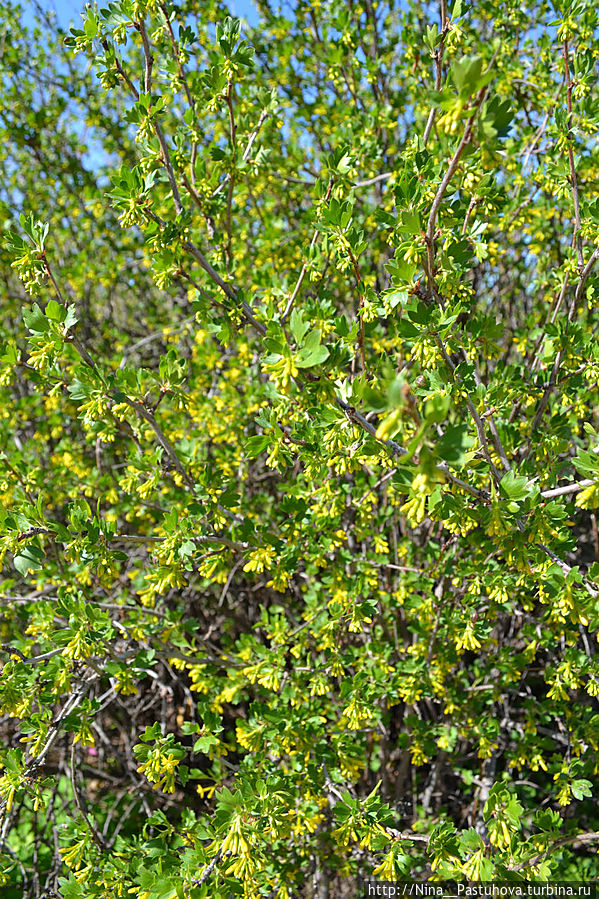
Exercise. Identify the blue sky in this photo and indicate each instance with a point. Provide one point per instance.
(69, 10)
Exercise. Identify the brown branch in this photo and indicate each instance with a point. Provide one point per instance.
(148, 58)
(438, 57)
(147, 416)
(359, 285)
(558, 359)
(480, 428)
(304, 269)
(576, 237)
(397, 450)
(96, 836)
(166, 159)
(263, 116)
(198, 881)
(132, 89)
(445, 181)
(567, 489)
(233, 140)
(579, 838)
(177, 54)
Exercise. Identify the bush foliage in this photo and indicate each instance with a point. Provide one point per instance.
(299, 461)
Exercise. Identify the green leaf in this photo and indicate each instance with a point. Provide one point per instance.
(312, 353)
(298, 326)
(400, 270)
(30, 558)
(514, 487)
(436, 408)
(461, 252)
(257, 444)
(581, 788)
(55, 311)
(151, 733)
(35, 320)
(163, 888)
(70, 319)
(410, 222)
(587, 464)
(468, 76)
(455, 446)
(70, 888)
(203, 744)
(396, 297)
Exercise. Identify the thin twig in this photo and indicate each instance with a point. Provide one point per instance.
(438, 57)
(576, 237)
(96, 836)
(198, 881)
(567, 489)
(304, 269)
(445, 181)
(233, 140)
(586, 271)
(166, 159)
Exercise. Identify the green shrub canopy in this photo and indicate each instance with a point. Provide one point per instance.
(298, 416)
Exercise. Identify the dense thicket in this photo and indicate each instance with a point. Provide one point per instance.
(299, 463)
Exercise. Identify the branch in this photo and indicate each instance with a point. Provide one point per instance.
(132, 89)
(30, 660)
(96, 836)
(397, 450)
(576, 237)
(233, 140)
(358, 278)
(208, 539)
(177, 54)
(147, 416)
(304, 269)
(568, 488)
(432, 219)
(581, 838)
(166, 159)
(198, 881)
(263, 115)
(480, 428)
(375, 180)
(584, 276)
(438, 67)
(148, 58)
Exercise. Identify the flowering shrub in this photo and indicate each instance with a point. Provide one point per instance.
(300, 469)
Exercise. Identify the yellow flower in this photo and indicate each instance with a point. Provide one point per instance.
(419, 757)
(589, 497)
(356, 714)
(467, 640)
(260, 559)
(387, 870)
